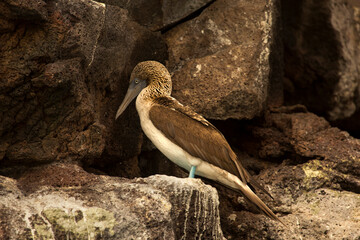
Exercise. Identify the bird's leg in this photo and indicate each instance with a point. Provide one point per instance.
(192, 172)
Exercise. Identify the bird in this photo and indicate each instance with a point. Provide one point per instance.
(184, 136)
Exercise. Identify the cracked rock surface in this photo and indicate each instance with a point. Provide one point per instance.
(56, 91)
(103, 207)
(208, 51)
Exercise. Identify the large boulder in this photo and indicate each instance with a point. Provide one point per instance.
(64, 67)
(79, 205)
(220, 60)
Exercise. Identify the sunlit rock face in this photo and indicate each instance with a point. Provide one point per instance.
(86, 206)
(221, 60)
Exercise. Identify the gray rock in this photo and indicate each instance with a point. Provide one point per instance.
(220, 59)
(322, 56)
(158, 207)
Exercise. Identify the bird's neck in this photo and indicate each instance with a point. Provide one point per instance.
(155, 90)
(146, 99)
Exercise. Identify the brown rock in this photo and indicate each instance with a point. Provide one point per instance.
(57, 175)
(58, 98)
(159, 15)
(220, 59)
(314, 187)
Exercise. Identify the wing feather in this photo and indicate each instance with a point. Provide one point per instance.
(198, 137)
(195, 134)
(201, 139)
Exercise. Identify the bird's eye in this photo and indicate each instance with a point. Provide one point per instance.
(137, 81)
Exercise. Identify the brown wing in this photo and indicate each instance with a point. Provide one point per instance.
(194, 134)
(201, 139)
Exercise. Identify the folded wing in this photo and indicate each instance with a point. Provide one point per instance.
(195, 135)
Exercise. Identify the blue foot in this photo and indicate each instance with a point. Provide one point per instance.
(192, 172)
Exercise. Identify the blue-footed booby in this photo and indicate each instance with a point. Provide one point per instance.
(183, 136)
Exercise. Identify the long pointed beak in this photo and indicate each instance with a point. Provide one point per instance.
(132, 92)
(130, 95)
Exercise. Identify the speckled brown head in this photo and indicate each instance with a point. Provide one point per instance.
(149, 76)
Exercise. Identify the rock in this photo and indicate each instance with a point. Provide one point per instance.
(159, 15)
(352, 124)
(122, 44)
(316, 186)
(158, 207)
(322, 56)
(227, 45)
(58, 98)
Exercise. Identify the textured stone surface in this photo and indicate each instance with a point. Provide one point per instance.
(310, 168)
(158, 207)
(322, 56)
(159, 15)
(352, 123)
(220, 59)
(65, 67)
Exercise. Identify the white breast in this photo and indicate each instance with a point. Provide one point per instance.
(166, 146)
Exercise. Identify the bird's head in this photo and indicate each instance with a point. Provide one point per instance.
(150, 76)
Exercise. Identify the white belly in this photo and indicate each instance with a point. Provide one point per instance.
(166, 146)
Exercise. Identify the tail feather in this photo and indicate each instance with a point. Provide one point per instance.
(253, 198)
(256, 185)
(245, 175)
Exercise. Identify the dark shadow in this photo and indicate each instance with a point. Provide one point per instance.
(311, 54)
